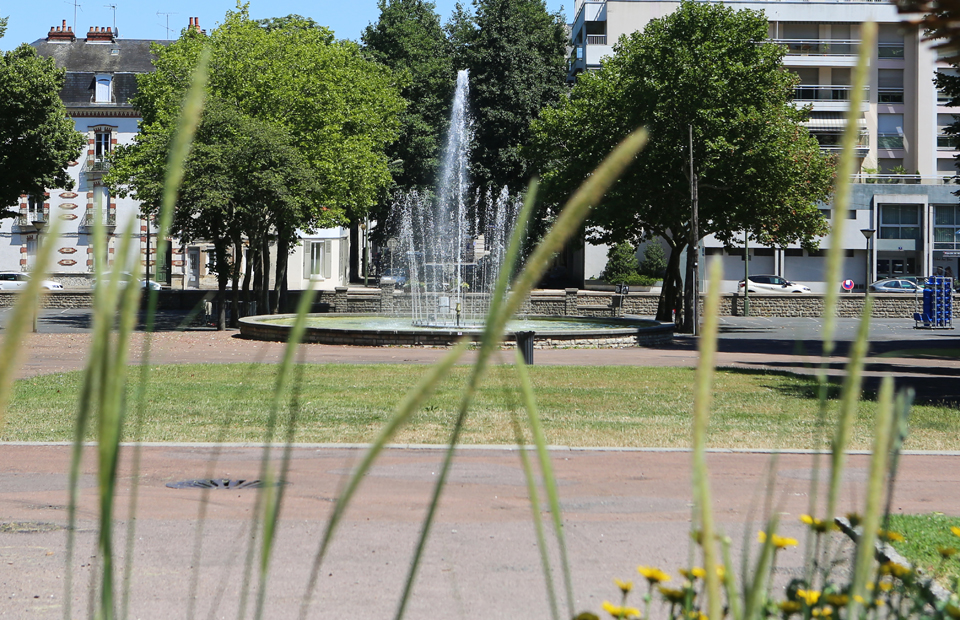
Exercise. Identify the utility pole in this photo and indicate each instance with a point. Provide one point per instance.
(691, 311)
(746, 273)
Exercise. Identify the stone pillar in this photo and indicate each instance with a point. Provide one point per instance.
(570, 301)
(387, 287)
(340, 299)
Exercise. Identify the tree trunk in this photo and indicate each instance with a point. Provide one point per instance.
(670, 297)
(279, 285)
(235, 281)
(223, 276)
(265, 274)
(355, 275)
(249, 275)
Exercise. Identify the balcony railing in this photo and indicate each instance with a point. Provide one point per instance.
(906, 179)
(97, 165)
(596, 39)
(819, 47)
(890, 50)
(32, 218)
(817, 92)
(890, 95)
(889, 141)
(90, 219)
(947, 142)
(830, 140)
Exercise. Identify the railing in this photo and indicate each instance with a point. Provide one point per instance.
(97, 165)
(905, 179)
(819, 47)
(817, 92)
(947, 142)
(890, 95)
(90, 219)
(890, 50)
(32, 218)
(889, 141)
(834, 139)
(596, 39)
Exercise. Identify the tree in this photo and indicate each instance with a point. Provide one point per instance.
(756, 168)
(621, 263)
(285, 90)
(409, 39)
(37, 137)
(516, 53)
(654, 263)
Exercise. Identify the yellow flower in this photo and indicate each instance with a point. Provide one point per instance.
(889, 536)
(789, 607)
(821, 611)
(653, 575)
(946, 552)
(897, 570)
(955, 530)
(721, 571)
(673, 595)
(817, 525)
(810, 597)
(696, 615)
(886, 586)
(837, 600)
(694, 573)
(869, 604)
(780, 542)
(620, 612)
(625, 586)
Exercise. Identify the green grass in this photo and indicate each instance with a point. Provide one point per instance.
(923, 535)
(580, 406)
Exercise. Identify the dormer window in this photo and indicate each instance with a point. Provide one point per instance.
(104, 89)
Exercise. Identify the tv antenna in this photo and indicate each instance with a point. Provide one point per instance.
(113, 7)
(76, 5)
(168, 21)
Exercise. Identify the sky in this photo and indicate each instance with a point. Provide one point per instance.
(135, 19)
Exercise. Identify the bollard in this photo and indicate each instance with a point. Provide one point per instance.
(525, 344)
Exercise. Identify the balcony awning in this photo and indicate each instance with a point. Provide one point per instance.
(831, 121)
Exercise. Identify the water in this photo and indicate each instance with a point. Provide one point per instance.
(453, 242)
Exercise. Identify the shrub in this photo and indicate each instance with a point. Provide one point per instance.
(621, 263)
(654, 262)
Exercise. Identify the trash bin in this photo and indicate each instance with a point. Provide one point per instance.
(525, 344)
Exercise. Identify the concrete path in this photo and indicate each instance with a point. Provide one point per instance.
(620, 508)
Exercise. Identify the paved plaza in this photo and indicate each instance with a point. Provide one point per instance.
(621, 507)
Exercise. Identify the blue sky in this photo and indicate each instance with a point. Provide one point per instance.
(135, 19)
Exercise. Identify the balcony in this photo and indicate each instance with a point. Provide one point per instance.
(32, 220)
(903, 179)
(890, 50)
(818, 92)
(109, 220)
(890, 95)
(889, 141)
(819, 47)
(947, 143)
(596, 39)
(97, 165)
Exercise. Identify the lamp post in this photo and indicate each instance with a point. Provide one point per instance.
(868, 234)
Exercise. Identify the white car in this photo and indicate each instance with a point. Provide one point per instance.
(15, 280)
(144, 284)
(772, 285)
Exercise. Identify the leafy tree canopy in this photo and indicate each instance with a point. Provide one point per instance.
(409, 39)
(709, 67)
(515, 51)
(37, 137)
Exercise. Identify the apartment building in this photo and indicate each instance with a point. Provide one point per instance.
(903, 220)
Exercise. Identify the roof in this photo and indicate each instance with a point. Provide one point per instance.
(120, 56)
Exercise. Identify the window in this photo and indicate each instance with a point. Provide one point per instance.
(900, 222)
(890, 131)
(890, 85)
(318, 257)
(942, 97)
(946, 227)
(944, 140)
(104, 89)
(101, 143)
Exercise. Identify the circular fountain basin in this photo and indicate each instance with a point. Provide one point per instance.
(549, 332)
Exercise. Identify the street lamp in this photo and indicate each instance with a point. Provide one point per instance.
(868, 233)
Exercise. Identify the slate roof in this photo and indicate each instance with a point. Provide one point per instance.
(123, 58)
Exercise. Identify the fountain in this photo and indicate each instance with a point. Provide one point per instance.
(453, 245)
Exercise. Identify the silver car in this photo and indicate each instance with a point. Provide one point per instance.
(16, 280)
(771, 284)
(895, 285)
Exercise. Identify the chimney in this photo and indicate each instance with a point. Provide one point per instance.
(61, 33)
(100, 35)
(195, 25)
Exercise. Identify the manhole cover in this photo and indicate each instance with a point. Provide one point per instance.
(216, 483)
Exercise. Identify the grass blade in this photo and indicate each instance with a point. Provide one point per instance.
(703, 395)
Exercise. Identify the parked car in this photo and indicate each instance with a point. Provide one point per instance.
(14, 280)
(772, 284)
(895, 285)
(144, 284)
(399, 275)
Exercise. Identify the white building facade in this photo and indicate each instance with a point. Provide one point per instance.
(903, 190)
